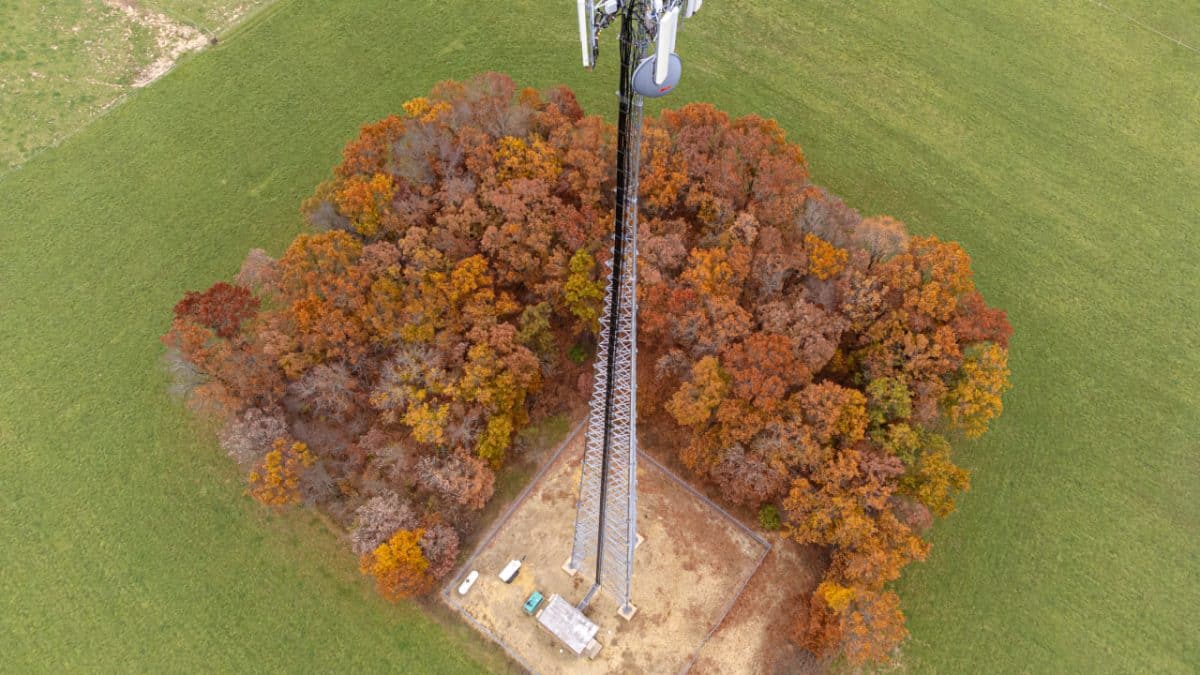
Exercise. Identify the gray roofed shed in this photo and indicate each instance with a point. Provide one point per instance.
(568, 624)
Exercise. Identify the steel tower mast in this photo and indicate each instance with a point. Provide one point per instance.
(606, 513)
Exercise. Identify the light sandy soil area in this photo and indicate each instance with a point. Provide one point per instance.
(755, 631)
(688, 570)
(171, 39)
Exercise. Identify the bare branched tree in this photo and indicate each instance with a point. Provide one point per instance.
(248, 436)
(379, 519)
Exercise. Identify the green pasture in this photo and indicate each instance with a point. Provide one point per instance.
(65, 62)
(210, 16)
(1059, 142)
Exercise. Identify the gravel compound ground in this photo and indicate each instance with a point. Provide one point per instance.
(691, 567)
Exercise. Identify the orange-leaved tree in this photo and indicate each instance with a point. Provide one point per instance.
(275, 481)
(399, 566)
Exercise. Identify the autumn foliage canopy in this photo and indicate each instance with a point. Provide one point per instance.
(798, 356)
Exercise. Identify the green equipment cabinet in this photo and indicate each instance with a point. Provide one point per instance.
(533, 602)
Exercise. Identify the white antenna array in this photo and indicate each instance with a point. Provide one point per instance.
(660, 22)
(606, 513)
(668, 26)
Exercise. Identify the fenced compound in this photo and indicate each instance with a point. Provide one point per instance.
(685, 588)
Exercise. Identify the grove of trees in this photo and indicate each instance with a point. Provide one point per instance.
(812, 364)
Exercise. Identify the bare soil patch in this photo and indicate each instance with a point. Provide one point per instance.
(755, 632)
(172, 39)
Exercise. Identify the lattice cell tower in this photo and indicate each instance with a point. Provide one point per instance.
(606, 517)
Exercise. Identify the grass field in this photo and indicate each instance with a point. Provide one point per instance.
(213, 16)
(64, 62)
(1059, 142)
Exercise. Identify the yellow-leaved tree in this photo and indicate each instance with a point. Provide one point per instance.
(399, 566)
(275, 481)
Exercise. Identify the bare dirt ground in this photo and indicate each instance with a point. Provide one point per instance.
(692, 564)
(755, 632)
(171, 39)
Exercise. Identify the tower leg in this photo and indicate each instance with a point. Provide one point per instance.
(570, 569)
(606, 513)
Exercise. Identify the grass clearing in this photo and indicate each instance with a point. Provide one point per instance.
(64, 62)
(1058, 143)
(211, 16)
